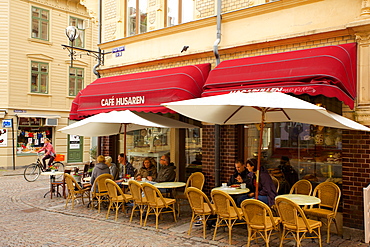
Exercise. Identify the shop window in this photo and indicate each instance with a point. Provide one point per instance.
(137, 16)
(39, 77)
(31, 134)
(148, 142)
(193, 149)
(79, 24)
(40, 23)
(76, 80)
(314, 151)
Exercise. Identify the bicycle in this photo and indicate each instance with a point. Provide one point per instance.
(32, 172)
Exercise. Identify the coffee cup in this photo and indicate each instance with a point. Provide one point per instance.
(243, 186)
(224, 185)
(143, 179)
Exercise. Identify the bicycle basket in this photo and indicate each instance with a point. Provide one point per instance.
(59, 157)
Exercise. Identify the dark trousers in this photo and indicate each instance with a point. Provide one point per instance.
(51, 159)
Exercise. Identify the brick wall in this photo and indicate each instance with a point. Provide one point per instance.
(356, 176)
(227, 158)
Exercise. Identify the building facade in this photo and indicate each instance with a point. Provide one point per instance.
(37, 82)
(151, 35)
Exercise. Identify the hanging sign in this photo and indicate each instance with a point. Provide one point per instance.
(3, 138)
(74, 142)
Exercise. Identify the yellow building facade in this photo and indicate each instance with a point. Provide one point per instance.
(37, 83)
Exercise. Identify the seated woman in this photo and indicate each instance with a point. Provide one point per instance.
(266, 188)
(148, 171)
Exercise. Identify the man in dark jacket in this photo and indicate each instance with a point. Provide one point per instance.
(167, 171)
(240, 175)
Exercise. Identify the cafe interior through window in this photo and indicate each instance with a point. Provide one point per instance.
(315, 152)
(31, 133)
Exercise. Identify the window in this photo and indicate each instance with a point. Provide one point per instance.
(136, 20)
(79, 23)
(40, 23)
(39, 77)
(179, 11)
(76, 80)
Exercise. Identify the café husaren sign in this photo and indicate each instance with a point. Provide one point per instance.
(113, 101)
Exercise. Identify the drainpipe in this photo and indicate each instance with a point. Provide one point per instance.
(99, 39)
(217, 126)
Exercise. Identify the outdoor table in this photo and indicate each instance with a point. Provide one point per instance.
(232, 191)
(52, 175)
(302, 200)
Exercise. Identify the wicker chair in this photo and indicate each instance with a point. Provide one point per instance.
(329, 194)
(117, 198)
(302, 186)
(294, 221)
(201, 207)
(227, 212)
(196, 180)
(276, 182)
(75, 191)
(139, 201)
(156, 203)
(99, 190)
(260, 220)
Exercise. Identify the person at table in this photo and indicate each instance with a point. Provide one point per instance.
(148, 170)
(266, 187)
(240, 175)
(166, 172)
(49, 152)
(127, 170)
(99, 169)
(112, 167)
(290, 174)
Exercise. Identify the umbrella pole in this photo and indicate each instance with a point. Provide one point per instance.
(259, 152)
(124, 140)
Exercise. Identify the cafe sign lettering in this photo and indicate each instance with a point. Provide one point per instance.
(113, 101)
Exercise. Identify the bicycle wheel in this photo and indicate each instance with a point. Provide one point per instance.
(60, 167)
(32, 172)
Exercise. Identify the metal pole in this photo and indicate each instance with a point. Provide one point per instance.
(217, 126)
(13, 145)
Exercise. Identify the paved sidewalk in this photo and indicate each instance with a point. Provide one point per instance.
(167, 227)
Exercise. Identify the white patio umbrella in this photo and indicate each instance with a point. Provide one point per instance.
(261, 107)
(116, 122)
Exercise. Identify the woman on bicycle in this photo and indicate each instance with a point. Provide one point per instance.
(49, 152)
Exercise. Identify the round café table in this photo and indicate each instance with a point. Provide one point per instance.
(302, 200)
(232, 191)
(52, 175)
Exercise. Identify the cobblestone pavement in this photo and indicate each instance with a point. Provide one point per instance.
(28, 219)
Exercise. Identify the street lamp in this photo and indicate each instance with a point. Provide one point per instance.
(72, 33)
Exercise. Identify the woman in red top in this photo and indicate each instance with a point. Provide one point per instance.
(49, 152)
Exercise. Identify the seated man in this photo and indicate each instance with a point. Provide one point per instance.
(166, 172)
(126, 170)
(240, 175)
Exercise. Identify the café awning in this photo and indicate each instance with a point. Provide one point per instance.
(328, 71)
(141, 92)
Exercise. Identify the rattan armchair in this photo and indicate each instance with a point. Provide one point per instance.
(75, 191)
(139, 201)
(329, 194)
(99, 190)
(295, 222)
(117, 198)
(260, 220)
(302, 186)
(157, 203)
(195, 180)
(276, 183)
(227, 212)
(201, 207)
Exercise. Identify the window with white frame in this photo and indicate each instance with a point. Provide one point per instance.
(179, 11)
(79, 24)
(40, 23)
(39, 77)
(76, 80)
(137, 17)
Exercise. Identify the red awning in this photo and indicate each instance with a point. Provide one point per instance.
(330, 71)
(142, 92)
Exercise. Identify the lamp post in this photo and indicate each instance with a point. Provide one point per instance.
(72, 33)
